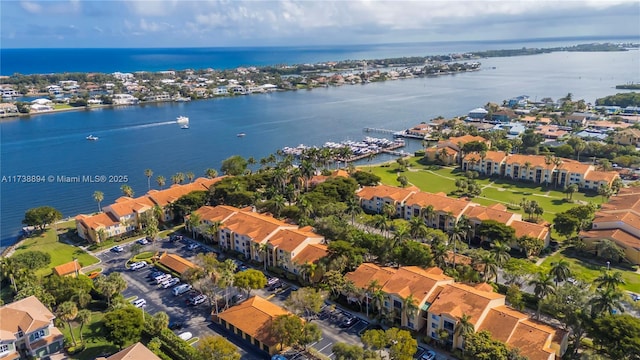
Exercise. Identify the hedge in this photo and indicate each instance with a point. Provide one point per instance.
(173, 347)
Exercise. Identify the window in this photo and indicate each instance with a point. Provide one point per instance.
(434, 316)
(37, 335)
(448, 325)
(433, 335)
(410, 324)
(4, 348)
(434, 325)
(20, 334)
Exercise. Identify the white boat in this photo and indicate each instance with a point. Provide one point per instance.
(241, 134)
(91, 137)
(185, 126)
(182, 120)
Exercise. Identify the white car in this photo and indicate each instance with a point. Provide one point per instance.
(142, 241)
(139, 303)
(138, 265)
(162, 278)
(169, 283)
(185, 336)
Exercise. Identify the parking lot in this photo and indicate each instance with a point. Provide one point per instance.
(333, 321)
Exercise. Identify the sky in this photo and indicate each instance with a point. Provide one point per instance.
(224, 23)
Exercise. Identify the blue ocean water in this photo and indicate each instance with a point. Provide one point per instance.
(133, 139)
(44, 61)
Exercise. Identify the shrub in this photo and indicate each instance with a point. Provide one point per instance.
(32, 259)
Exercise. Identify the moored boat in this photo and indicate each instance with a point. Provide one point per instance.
(92, 138)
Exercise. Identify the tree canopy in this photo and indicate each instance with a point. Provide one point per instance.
(41, 216)
(123, 325)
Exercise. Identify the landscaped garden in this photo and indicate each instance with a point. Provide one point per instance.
(61, 253)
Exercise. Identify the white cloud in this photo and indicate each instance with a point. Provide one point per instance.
(31, 7)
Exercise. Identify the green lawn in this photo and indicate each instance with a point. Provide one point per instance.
(93, 335)
(588, 270)
(60, 252)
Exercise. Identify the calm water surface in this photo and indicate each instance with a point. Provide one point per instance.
(135, 138)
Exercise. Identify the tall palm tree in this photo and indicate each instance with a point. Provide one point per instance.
(68, 311)
(84, 316)
(389, 211)
(194, 223)
(542, 286)
(606, 301)
(490, 267)
(309, 270)
(161, 181)
(417, 228)
(548, 160)
(381, 223)
(560, 271)
(305, 206)
(307, 171)
(401, 234)
(456, 234)
(428, 213)
(190, 176)
(148, 173)
(127, 190)
(10, 269)
(278, 204)
(372, 287)
(377, 300)
(98, 196)
(409, 308)
(500, 252)
(226, 279)
(610, 280)
(439, 252)
(464, 327)
(558, 164)
(353, 208)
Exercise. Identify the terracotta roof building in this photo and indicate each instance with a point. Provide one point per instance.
(136, 351)
(619, 221)
(176, 263)
(252, 321)
(71, 268)
(28, 324)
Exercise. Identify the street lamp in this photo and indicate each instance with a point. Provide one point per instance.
(608, 265)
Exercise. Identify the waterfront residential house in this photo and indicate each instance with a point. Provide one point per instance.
(442, 212)
(89, 227)
(136, 351)
(538, 169)
(27, 330)
(252, 321)
(449, 151)
(72, 268)
(629, 136)
(619, 221)
(128, 211)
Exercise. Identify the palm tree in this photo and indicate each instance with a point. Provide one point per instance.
(439, 252)
(464, 327)
(409, 308)
(98, 196)
(307, 170)
(558, 163)
(211, 173)
(490, 266)
(278, 204)
(127, 190)
(148, 173)
(102, 235)
(377, 300)
(262, 250)
(353, 208)
(190, 175)
(560, 271)
(455, 237)
(309, 271)
(542, 286)
(526, 167)
(161, 181)
(194, 222)
(401, 234)
(500, 252)
(417, 228)
(305, 206)
(428, 213)
(548, 160)
(610, 280)
(372, 287)
(606, 301)
(84, 316)
(381, 223)
(68, 311)
(10, 269)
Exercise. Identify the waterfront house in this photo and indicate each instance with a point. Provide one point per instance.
(124, 99)
(7, 109)
(89, 227)
(373, 198)
(619, 221)
(445, 211)
(477, 114)
(553, 132)
(27, 330)
(503, 115)
(252, 321)
(136, 351)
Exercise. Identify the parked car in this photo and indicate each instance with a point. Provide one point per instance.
(181, 289)
(193, 246)
(169, 283)
(635, 297)
(154, 274)
(185, 336)
(275, 286)
(238, 298)
(117, 249)
(137, 265)
(198, 300)
(271, 281)
(428, 355)
(142, 241)
(162, 278)
(175, 325)
(139, 303)
(348, 322)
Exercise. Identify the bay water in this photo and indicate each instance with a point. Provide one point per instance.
(132, 139)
